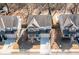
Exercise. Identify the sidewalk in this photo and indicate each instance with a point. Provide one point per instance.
(44, 45)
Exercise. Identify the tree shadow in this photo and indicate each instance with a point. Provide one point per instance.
(63, 44)
(25, 43)
(1, 45)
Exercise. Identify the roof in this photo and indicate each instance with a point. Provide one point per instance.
(33, 23)
(39, 20)
(68, 19)
(8, 21)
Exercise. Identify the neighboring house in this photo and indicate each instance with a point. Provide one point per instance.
(9, 25)
(69, 25)
(37, 26)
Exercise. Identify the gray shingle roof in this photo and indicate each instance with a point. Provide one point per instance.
(42, 20)
(66, 19)
(9, 21)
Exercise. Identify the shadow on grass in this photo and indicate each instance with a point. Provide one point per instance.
(25, 44)
(63, 44)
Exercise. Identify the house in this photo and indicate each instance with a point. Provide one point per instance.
(9, 25)
(69, 25)
(38, 26)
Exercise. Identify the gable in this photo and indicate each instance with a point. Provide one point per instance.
(33, 24)
(42, 20)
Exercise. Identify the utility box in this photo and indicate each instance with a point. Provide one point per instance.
(9, 27)
(69, 25)
(39, 27)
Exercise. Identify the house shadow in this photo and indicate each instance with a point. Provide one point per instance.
(8, 42)
(36, 42)
(1, 41)
(44, 41)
